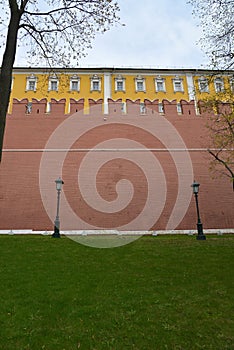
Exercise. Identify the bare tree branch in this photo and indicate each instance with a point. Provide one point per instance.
(216, 156)
(216, 18)
(57, 33)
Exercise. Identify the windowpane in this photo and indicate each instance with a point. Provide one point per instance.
(160, 86)
(29, 108)
(140, 86)
(160, 108)
(218, 86)
(54, 85)
(142, 108)
(203, 86)
(178, 86)
(74, 85)
(96, 85)
(232, 85)
(123, 107)
(31, 85)
(119, 85)
(179, 108)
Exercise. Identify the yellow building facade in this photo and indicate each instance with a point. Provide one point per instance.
(117, 84)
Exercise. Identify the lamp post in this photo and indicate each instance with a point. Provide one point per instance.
(59, 183)
(200, 235)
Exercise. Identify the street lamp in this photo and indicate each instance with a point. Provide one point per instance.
(59, 183)
(200, 235)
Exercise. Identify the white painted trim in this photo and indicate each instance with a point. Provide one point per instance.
(217, 231)
(191, 88)
(112, 149)
(107, 91)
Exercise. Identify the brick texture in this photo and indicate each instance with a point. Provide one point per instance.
(21, 205)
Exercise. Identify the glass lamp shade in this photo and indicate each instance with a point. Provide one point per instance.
(195, 187)
(59, 183)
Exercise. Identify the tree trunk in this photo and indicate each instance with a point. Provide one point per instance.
(6, 70)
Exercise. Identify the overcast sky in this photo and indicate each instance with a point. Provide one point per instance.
(157, 33)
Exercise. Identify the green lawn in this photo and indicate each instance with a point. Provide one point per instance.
(155, 293)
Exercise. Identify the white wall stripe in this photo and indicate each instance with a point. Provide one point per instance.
(112, 149)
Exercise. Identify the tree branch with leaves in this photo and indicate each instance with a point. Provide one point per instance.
(216, 18)
(55, 33)
(221, 127)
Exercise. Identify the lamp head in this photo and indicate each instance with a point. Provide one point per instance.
(59, 183)
(195, 187)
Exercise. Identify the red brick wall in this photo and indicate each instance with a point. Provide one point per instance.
(21, 206)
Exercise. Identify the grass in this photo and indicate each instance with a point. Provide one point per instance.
(155, 293)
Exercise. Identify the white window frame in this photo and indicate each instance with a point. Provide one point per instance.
(219, 82)
(203, 85)
(31, 79)
(53, 79)
(176, 81)
(74, 79)
(119, 79)
(160, 80)
(95, 79)
(139, 79)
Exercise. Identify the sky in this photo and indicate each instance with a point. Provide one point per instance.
(157, 33)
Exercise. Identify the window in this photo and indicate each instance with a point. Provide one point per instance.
(232, 84)
(48, 107)
(74, 83)
(178, 85)
(160, 108)
(29, 108)
(219, 86)
(119, 83)
(53, 83)
(95, 83)
(160, 84)
(123, 108)
(31, 83)
(119, 86)
(142, 108)
(140, 84)
(179, 108)
(203, 85)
